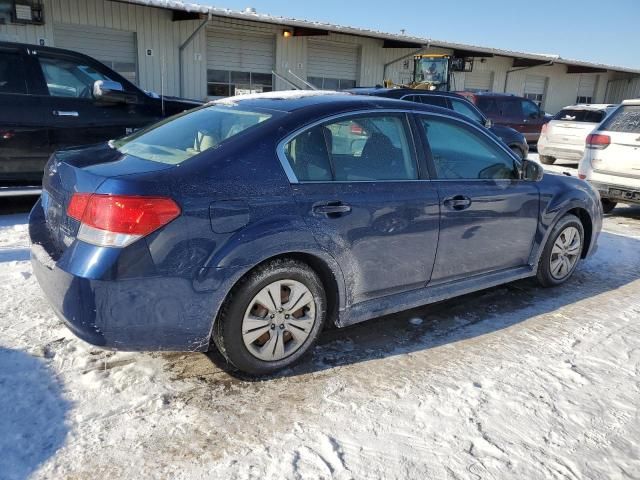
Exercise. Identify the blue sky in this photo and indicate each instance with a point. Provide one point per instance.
(592, 30)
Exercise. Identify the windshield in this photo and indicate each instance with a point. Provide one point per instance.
(179, 138)
(432, 70)
(580, 115)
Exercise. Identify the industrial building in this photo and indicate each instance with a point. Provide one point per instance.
(200, 52)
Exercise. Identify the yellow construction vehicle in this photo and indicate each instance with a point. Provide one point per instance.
(433, 71)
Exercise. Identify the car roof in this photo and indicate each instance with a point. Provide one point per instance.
(326, 102)
(489, 94)
(399, 92)
(590, 106)
(632, 101)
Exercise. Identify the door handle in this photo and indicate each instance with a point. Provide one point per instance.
(458, 202)
(65, 113)
(331, 208)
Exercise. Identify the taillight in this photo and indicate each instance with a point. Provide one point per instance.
(597, 141)
(544, 129)
(119, 220)
(582, 176)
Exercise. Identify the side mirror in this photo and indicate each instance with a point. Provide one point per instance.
(488, 123)
(532, 171)
(107, 91)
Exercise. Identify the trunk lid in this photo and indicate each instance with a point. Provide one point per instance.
(570, 133)
(81, 170)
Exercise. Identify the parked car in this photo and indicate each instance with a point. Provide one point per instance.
(509, 110)
(564, 136)
(452, 101)
(53, 98)
(254, 221)
(611, 161)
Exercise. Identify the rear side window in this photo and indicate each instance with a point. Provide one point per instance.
(12, 73)
(180, 138)
(465, 109)
(434, 100)
(462, 153)
(625, 119)
(364, 148)
(586, 116)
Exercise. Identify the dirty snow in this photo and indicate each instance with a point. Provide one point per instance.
(514, 382)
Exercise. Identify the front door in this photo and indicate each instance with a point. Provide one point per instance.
(488, 216)
(359, 189)
(74, 116)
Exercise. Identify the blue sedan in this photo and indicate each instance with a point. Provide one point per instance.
(252, 222)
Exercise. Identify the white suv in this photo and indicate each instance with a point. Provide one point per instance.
(564, 136)
(611, 159)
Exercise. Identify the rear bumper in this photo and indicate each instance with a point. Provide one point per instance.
(135, 314)
(561, 151)
(618, 192)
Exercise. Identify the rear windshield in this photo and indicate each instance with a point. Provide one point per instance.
(179, 138)
(579, 115)
(625, 119)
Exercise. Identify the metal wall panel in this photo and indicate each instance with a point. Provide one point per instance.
(478, 81)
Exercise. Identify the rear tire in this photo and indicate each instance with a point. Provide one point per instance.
(608, 205)
(547, 160)
(271, 318)
(562, 252)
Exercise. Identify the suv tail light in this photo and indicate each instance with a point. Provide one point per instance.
(544, 129)
(597, 141)
(119, 220)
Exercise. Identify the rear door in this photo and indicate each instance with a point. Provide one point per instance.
(622, 156)
(360, 190)
(24, 143)
(489, 216)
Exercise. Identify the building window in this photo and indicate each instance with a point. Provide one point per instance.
(536, 98)
(583, 99)
(225, 83)
(324, 83)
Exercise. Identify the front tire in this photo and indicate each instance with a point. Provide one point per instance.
(608, 205)
(272, 317)
(547, 160)
(562, 252)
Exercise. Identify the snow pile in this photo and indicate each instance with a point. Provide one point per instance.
(514, 382)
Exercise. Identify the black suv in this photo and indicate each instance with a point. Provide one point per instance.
(452, 101)
(52, 98)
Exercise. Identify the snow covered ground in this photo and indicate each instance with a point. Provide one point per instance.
(513, 382)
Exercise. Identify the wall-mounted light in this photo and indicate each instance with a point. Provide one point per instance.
(287, 33)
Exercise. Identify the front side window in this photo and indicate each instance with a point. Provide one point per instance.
(363, 148)
(67, 78)
(12, 73)
(463, 108)
(462, 153)
(180, 138)
(530, 109)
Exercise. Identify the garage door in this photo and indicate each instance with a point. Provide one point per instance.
(586, 88)
(332, 65)
(115, 48)
(239, 63)
(478, 81)
(534, 88)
